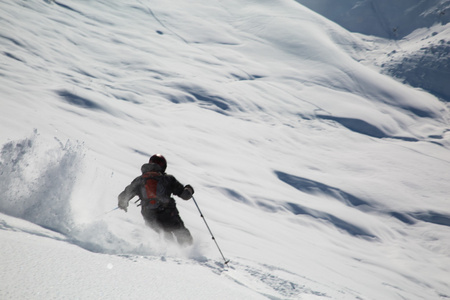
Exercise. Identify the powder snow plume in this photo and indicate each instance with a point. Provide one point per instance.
(37, 180)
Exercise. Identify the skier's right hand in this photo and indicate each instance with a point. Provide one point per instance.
(123, 204)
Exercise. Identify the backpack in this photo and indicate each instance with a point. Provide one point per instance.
(153, 191)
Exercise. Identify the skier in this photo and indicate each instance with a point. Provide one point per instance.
(154, 188)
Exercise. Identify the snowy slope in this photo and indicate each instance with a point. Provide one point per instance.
(414, 47)
(320, 177)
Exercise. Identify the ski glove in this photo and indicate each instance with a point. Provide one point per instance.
(190, 188)
(187, 193)
(123, 204)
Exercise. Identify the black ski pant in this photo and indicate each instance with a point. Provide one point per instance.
(168, 221)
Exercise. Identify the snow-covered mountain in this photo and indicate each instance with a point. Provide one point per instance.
(416, 49)
(383, 18)
(320, 174)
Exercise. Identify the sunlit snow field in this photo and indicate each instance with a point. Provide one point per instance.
(321, 176)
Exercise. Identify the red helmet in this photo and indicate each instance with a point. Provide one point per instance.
(159, 160)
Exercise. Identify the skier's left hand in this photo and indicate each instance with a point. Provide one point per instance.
(190, 188)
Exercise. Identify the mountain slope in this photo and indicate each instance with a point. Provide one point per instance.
(320, 177)
(417, 45)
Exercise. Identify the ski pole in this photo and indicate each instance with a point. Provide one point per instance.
(107, 212)
(111, 210)
(214, 239)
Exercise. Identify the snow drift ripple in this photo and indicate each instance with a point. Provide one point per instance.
(37, 179)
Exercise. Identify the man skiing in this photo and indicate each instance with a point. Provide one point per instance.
(154, 188)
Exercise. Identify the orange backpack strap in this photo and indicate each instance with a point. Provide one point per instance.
(149, 190)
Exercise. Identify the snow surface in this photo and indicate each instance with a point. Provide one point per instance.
(320, 176)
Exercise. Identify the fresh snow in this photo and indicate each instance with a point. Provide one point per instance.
(321, 173)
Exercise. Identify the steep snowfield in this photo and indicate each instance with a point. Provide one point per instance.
(320, 177)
